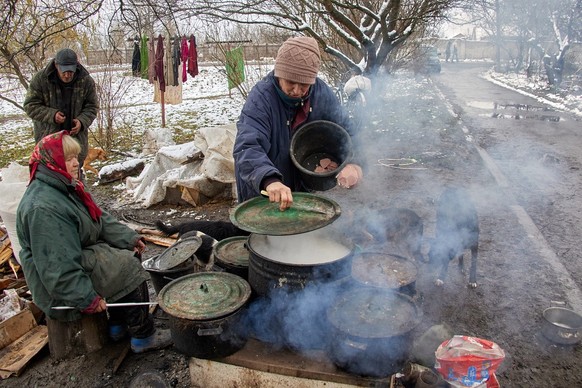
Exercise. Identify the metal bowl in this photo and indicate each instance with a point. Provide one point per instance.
(562, 325)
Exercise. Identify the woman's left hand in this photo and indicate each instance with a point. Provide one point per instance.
(349, 176)
(140, 247)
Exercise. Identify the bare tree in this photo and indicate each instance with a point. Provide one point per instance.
(32, 30)
(545, 28)
(359, 33)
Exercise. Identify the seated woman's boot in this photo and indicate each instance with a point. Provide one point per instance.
(159, 340)
(117, 332)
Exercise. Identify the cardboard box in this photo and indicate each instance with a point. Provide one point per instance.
(20, 339)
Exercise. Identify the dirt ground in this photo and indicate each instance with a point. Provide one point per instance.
(514, 284)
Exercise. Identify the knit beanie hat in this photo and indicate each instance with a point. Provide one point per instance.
(298, 60)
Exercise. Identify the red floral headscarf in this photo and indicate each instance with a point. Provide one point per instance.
(49, 152)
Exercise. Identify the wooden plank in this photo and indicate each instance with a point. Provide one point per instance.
(15, 327)
(14, 357)
(121, 357)
(314, 365)
(214, 374)
(162, 241)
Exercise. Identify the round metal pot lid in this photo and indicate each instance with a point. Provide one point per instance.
(308, 212)
(204, 295)
(369, 312)
(384, 270)
(232, 251)
(177, 253)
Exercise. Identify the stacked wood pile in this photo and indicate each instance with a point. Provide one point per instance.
(8, 264)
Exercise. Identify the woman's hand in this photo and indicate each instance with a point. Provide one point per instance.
(278, 192)
(97, 305)
(349, 176)
(140, 247)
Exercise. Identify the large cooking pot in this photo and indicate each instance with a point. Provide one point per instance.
(562, 325)
(370, 330)
(295, 261)
(205, 311)
(385, 270)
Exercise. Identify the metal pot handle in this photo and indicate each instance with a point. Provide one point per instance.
(560, 303)
(356, 345)
(211, 331)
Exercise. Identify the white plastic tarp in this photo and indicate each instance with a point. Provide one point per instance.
(204, 166)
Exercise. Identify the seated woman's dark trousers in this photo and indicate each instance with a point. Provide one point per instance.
(140, 323)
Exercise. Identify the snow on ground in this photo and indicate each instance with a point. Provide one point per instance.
(206, 102)
(566, 101)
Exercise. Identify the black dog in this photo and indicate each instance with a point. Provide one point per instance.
(219, 230)
(457, 229)
(204, 253)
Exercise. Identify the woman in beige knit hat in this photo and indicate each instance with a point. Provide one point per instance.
(288, 97)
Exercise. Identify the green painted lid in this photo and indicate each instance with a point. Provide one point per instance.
(308, 212)
(204, 295)
(177, 254)
(232, 251)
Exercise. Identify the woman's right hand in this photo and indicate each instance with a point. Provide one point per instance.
(97, 305)
(280, 193)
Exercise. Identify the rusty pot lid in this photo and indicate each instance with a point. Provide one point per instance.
(379, 269)
(176, 254)
(232, 251)
(204, 295)
(308, 212)
(369, 312)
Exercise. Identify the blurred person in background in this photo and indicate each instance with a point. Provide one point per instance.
(288, 97)
(74, 254)
(63, 96)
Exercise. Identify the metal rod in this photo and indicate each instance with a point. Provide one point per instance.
(129, 304)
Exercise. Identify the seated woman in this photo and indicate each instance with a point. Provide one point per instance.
(74, 254)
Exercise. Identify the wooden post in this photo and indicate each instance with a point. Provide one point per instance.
(74, 338)
(163, 109)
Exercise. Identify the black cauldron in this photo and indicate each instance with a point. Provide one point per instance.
(293, 262)
(205, 311)
(370, 330)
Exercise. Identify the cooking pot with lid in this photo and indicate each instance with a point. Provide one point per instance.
(205, 311)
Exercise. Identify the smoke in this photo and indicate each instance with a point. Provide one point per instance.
(296, 319)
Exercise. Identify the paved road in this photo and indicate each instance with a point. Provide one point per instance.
(532, 151)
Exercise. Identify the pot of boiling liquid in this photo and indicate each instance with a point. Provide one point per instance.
(296, 261)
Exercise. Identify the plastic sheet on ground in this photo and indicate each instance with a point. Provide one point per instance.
(201, 169)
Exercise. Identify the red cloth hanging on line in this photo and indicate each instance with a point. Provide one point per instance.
(184, 55)
(192, 57)
(159, 64)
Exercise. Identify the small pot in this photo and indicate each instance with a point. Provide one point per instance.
(232, 255)
(317, 140)
(562, 325)
(161, 278)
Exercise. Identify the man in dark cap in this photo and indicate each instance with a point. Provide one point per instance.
(276, 107)
(62, 96)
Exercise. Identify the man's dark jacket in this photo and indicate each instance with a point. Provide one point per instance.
(44, 99)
